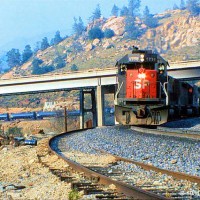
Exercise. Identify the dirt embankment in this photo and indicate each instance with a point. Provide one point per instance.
(33, 127)
(22, 176)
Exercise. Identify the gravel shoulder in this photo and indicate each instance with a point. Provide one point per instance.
(20, 167)
(174, 154)
(191, 124)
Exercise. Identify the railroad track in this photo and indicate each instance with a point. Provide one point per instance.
(124, 181)
(187, 134)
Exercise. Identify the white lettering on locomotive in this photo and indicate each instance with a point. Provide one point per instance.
(141, 84)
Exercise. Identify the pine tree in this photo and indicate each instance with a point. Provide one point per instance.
(37, 46)
(57, 38)
(148, 18)
(133, 7)
(36, 69)
(124, 11)
(13, 58)
(81, 26)
(59, 62)
(114, 11)
(75, 26)
(193, 7)
(131, 29)
(96, 14)
(175, 7)
(27, 53)
(44, 44)
(182, 5)
(78, 27)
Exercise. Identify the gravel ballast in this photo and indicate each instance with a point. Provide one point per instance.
(181, 155)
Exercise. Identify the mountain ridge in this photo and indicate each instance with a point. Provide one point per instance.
(176, 38)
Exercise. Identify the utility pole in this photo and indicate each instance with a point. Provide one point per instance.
(65, 116)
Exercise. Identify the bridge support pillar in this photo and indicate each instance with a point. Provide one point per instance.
(96, 106)
(100, 105)
(84, 110)
(102, 93)
(81, 109)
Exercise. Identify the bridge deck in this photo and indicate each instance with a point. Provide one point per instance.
(90, 78)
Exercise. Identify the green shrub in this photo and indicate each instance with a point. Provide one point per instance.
(59, 62)
(43, 70)
(74, 195)
(15, 131)
(110, 46)
(108, 33)
(74, 67)
(94, 33)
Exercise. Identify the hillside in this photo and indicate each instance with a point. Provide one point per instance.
(176, 38)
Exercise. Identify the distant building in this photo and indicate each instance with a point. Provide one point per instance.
(49, 106)
(70, 103)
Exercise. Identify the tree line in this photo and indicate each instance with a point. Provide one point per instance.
(193, 6)
(130, 12)
(15, 58)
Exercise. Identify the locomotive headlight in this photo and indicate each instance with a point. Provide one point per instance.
(142, 57)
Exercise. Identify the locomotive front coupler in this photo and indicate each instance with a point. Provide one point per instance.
(142, 113)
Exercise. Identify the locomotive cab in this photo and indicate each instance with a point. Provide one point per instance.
(142, 79)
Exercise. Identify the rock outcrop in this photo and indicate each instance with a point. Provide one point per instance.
(116, 24)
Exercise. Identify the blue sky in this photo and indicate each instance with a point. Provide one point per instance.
(27, 21)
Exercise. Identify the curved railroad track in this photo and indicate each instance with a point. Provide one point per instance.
(111, 174)
(187, 134)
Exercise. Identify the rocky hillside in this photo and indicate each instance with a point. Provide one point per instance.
(176, 38)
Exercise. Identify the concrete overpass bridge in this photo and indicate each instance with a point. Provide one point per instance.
(98, 81)
(54, 82)
(185, 70)
(84, 79)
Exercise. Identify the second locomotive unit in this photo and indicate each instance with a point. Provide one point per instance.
(146, 95)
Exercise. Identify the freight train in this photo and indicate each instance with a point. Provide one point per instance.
(35, 115)
(146, 95)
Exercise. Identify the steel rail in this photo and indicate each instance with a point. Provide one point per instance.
(130, 191)
(178, 175)
(181, 134)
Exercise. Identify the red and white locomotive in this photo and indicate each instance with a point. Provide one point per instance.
(145, 93)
